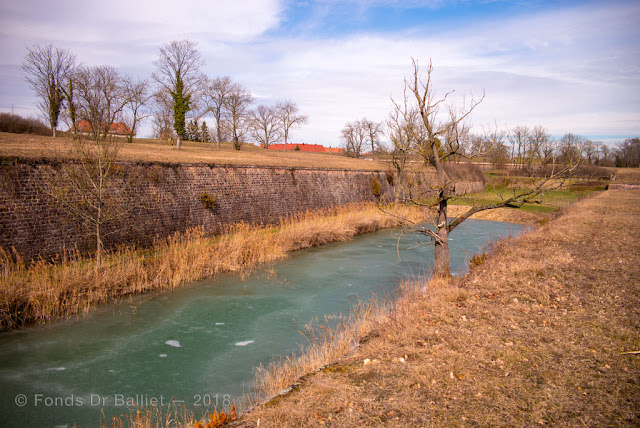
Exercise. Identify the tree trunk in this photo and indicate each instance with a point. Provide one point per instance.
(53, 129)
(178, 141)
(441, 265)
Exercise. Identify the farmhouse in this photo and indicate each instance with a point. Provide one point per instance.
(116, 129)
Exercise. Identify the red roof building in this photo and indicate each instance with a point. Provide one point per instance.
(115, 128)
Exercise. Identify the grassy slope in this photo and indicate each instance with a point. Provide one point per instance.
(532, 336)
(34, 146)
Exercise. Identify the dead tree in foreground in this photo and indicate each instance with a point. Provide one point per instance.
(420, 112)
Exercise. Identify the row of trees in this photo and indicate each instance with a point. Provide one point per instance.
(177, 97)
(520, 147)
(69, 91)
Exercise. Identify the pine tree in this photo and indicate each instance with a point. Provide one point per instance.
(204, 133)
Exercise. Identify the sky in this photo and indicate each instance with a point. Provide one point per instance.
(571, 66)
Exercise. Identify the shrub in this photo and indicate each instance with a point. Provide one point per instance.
(390, 177)
(208, 201)
(20, 125)
(477, 260)
(375, 186)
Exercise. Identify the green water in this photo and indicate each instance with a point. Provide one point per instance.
(200, 345)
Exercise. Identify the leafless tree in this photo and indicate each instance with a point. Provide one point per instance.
(354, 137)
(519, 138)
(162, 118)
(402, 127)
(548, 150)
(236, 113)
(265, 127)
(538, 140)
(290, 118)
(178, 74)
(374, 131)
(570, 148)
(628, 153)
(47, 69)
(494, 145)
(137, 97)
(457, 138)
(431, 150)
(589, 151)
(101, 98)
(215, 96)
(92, 191)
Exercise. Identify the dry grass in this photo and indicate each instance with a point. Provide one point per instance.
(35, 147)
(535, 335)
(43, 291)
(628, 175)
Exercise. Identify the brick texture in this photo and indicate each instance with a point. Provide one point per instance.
(161, 200)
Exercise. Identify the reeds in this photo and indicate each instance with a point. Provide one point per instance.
(41, 291)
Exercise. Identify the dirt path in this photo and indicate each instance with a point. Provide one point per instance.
(534, 335)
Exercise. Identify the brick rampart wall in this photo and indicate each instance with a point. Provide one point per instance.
(164, 199)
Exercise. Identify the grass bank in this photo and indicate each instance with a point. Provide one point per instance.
(40, 292)
(542, 332)
(34, 147)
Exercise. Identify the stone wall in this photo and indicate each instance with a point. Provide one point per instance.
(159, 200)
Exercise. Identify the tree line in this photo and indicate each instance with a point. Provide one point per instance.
(176, 98)
(521, 147)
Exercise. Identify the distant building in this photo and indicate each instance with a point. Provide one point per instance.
(317, 148)
(116, 129)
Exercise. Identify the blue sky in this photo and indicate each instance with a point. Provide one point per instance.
(572, 66)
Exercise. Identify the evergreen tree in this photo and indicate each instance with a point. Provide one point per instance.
(181, 103)
(204, 133)
(193, 130)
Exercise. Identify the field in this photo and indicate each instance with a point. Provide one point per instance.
(543, 331)
(146, 150)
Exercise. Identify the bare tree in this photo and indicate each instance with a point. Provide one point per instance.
(628, 153)
(216, 94)
(519, 138)
(456, 138)
(236, 113)
(495, 148)
(101, 98)
(354, 137)
(570, 148)
(589, 151)
(373, 130)
(178, 73)
(402, 125)
(92, 191)
(290, 118)
(137, 103)
(429, 147)
(265, 126)
(538, 140)
(162, 116)
(548, 150)
(47, 70)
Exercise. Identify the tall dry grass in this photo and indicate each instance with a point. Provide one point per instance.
(40, 292)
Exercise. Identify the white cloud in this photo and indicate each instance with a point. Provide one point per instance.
(575, 69)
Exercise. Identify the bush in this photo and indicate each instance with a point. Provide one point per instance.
(375, 187)
(208, 201)
(20, 125)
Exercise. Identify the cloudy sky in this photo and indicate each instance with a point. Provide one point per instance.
(572, 66)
